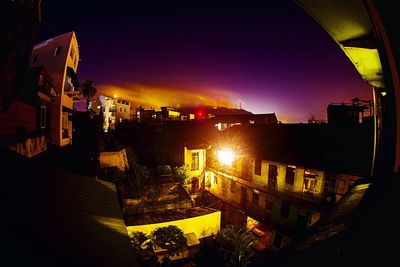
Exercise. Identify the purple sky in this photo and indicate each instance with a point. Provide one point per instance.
(268, 56)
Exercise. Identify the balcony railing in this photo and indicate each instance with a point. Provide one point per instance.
(305, 198)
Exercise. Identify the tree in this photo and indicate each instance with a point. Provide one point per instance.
(181, 174)
(88, 91)
(234, 246)
(170, 238)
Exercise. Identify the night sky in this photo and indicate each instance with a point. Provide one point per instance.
(265, 56)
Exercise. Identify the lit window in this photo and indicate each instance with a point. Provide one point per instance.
(310, 181)
(195, 161)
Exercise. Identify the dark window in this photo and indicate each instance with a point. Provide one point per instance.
(257, 167)
(256, 197)
(233, 186)
(277, 240)
(223, 187)
(269, 204)
(285, 209)
(43, 117)
(120, 109)
(195, 161)
(35, 58)
(272, 176)
(290, 175)
(57, 51)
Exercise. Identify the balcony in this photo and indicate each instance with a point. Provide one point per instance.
(306, 198)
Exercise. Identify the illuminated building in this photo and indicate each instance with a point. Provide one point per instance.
(60, 57)
(170, 113)
(281, 178)
(224, 121)
(115, 110)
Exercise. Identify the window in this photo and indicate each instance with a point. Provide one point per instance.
(223, 187)
(272, 176)
(310, 185)
(72, 54)
(256, 197)
(35, 58)
(233, 186)
(120, 109)
(290, 170)
(310, 181)
(257, 167)
(43, 117)
(195, 161)
(285, 208)
(57, 51)
(269, 205)
(278, 240)
(65, 124)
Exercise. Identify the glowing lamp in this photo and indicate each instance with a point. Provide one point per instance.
(225, 156)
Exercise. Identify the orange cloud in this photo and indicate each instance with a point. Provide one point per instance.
(156, 97)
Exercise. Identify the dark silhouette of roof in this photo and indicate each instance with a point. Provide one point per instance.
(269, 118)
(51, 217)
(336, 148)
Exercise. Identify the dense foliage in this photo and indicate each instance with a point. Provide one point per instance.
(234, 246)
(170, 238)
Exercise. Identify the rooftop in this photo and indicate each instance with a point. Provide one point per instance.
(167, 216)
(58, 218)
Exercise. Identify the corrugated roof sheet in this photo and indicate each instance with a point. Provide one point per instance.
(57, 218)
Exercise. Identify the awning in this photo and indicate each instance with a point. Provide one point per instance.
(348, 23)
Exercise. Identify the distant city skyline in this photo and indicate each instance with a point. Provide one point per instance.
(267, 57)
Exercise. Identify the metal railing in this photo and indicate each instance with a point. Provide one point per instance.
(301, 197)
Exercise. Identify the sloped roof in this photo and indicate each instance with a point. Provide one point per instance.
(56, 218)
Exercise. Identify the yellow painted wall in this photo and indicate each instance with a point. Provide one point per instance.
(262, 180)
(202, 226)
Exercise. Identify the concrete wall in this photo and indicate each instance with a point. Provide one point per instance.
(202, 226)
(114, 159)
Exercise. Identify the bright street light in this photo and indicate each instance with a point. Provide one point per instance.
(225, 156)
